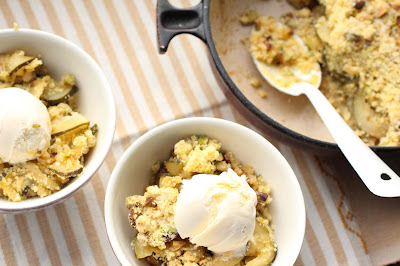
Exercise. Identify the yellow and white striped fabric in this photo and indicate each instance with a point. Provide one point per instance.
(149, 90)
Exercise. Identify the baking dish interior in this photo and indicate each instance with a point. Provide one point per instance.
(230, 39)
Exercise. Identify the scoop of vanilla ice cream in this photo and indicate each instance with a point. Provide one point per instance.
(217, 211)
(25, 127)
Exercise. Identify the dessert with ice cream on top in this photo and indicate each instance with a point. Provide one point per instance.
(204, 208)
(43, 138)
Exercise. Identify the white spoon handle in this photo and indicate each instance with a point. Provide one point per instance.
(371, 169)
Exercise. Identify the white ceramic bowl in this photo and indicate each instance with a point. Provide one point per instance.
(133, 173)
(94, 100)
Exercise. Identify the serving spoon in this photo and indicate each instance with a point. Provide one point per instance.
(379, 178)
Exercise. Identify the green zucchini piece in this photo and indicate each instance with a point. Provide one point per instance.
(162, 171)
(58, 95)
(41, 71)
(173, 168)
(60, 179)
(25, 191)
(68, 124)
(11, 63)
(64, 173)
(2, 171)
(40, 178)
(94, 129)
(261, 246)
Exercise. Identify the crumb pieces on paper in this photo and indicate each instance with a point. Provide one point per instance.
(262, 93)
(255, 82)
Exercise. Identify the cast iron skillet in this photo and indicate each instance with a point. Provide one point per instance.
(172, 21)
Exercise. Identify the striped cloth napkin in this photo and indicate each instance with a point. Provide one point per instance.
(346, 225)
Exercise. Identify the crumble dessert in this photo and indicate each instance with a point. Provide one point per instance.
(199, 173)
(43, 138)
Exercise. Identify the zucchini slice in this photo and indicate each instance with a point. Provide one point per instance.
(2, 171)
(58, 95)
(61, 179)
(94, 129)
(40, 177)
(36, 177)
(68, 124)
(261, 246)
(61, 171)
(162, 171)
(11, 63)
(173, 168)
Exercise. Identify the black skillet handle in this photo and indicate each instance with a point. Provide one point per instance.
(172, 21)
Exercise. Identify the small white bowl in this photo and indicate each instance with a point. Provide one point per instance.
(94, 100)
(133, 173)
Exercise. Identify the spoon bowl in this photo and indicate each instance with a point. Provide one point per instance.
(275, 74)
